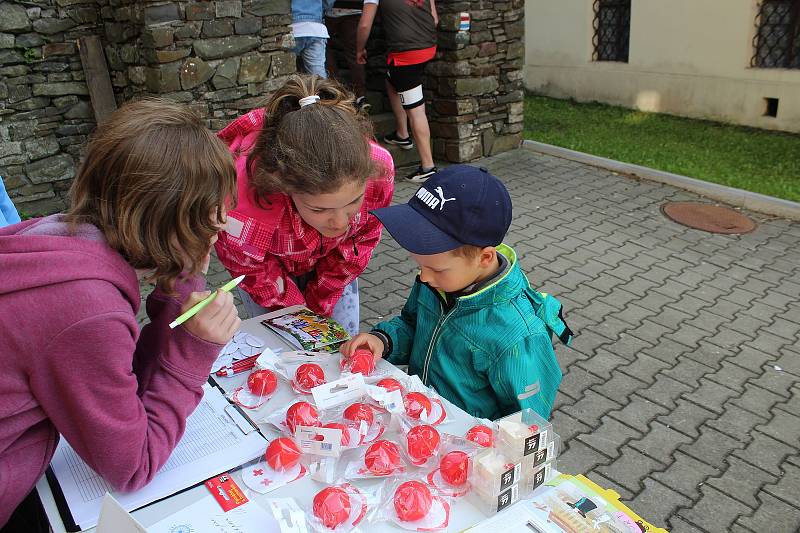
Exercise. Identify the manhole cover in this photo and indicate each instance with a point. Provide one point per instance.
(708, 217)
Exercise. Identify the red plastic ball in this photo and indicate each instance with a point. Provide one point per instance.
(332, 506)
(454, 467)
(282, 454)
(382, 458)
(481, 435)
(390, 384)
(358, 412)
(341, 427)
(362, 362)
(423, 442)
(412, 501)
(309, 375)
(262, 382)
(416, 404)
(302, 414)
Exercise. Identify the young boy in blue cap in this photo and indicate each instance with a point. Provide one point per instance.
(472, 327)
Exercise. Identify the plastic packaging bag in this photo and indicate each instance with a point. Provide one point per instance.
(414, 506)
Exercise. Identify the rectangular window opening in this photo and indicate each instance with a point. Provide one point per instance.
(771, 107)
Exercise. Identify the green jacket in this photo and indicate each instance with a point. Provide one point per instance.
(491, 353)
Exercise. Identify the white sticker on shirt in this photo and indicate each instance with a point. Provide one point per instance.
(234, 227)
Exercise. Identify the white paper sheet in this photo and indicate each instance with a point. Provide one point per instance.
(207, 516)
(213, 443)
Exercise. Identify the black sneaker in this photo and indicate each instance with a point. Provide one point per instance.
(362, 104)
(392, 138)
(420, 175)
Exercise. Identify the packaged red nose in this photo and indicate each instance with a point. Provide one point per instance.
(340, 508)
(365, 423)
(293, 414)
(414, 506)
(359, 412)
(452, 473)
(481, 435)
(261, 385)
(361, 362)
(307, 376)
(281, 465)
(422, 404)
(380, 459)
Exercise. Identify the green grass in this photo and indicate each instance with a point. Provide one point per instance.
(756, 160)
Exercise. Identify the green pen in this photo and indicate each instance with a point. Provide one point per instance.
(200, 305)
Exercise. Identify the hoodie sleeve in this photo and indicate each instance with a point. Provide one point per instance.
(89, 390)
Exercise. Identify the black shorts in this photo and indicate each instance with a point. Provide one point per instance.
(407, 81)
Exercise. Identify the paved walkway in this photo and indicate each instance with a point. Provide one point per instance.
(682, 389)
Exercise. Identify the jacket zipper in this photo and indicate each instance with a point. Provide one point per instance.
(429, 355)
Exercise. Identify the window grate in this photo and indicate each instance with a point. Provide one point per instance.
(612, 30)
(777, 40)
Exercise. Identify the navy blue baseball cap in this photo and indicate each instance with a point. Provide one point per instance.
(459, 205)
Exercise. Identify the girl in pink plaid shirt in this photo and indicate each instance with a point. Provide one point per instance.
(308, 175)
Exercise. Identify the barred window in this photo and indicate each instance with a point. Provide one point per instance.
(612, 30)
(777, 40)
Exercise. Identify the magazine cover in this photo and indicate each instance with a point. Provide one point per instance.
(308, 330)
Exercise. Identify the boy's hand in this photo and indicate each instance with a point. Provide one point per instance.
(216, 322)
(363, 340)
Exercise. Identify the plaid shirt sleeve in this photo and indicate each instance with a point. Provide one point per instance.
(347, 261)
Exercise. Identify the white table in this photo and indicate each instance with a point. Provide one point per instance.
(463, 514)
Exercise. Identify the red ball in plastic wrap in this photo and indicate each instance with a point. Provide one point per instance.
(390, 384)
(302, 414)
(454, 467)
(341, 427)
(358, 412)
(282, 454)
(362, 362)
(423, 442)
(382, 458)
(416, 404)
(262, 382)
(481, 435)
(412, 501)
(332, 506)
(309, 375)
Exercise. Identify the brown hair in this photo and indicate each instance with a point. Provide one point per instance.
(467, 251)
(151, 180)
(314, 149)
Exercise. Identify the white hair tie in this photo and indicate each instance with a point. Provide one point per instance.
(308, 100)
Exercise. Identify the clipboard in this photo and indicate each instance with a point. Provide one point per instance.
(246, 425)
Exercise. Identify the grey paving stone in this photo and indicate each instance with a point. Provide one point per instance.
(773, 515)
(742, 481)
(609, 436)
(580, 458)
(787, 487)
(711, 395)
(660, 442)
(645, 368)
(736, 422)
(687, 418)
(620, 387)
(638, 413)
(590, 408)
(712, 447)
(660, 501)
(665, 391)
(714, 511)
(631, 469)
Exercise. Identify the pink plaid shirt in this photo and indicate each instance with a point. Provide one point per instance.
(271, 244)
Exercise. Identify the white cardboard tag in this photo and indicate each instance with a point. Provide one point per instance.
(343, 390)
(308, 438)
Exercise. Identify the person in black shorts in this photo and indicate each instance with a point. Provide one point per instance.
(410, 28)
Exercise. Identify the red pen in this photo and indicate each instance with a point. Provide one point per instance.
(239, 366)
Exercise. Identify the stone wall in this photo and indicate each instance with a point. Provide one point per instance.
(223, 57)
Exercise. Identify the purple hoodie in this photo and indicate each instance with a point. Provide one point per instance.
(73, 361)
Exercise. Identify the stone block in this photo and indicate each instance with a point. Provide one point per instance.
(165, 56)
(247, 25)
(161, 14)
(82, 15)
(283, 64)
(59, 89)
(474, 86)
(50, 26)
(162, 79)
(7, 40)
(453, 41)
(217, 28)
(59, 49)
(451, 131)
(466, 150)
(228, 8)
(30, 193)
(226, 74)
(136, 75)
(8, 56)
(447, 68)
(226, 46)
(263, 8)
(460, 106)
(158, 37)
(37, 102)
(190, 30)
(81, 110)
(26, 40)
(54, 168)
(515, 50)
(13, 17)
(254, 68)
(194, 72)
(504, 143)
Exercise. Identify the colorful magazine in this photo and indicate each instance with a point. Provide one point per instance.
(308, 330)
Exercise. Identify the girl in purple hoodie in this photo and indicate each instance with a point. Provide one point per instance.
(147, 202)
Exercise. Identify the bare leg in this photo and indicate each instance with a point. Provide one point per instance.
(400, 117)
(422, 134)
